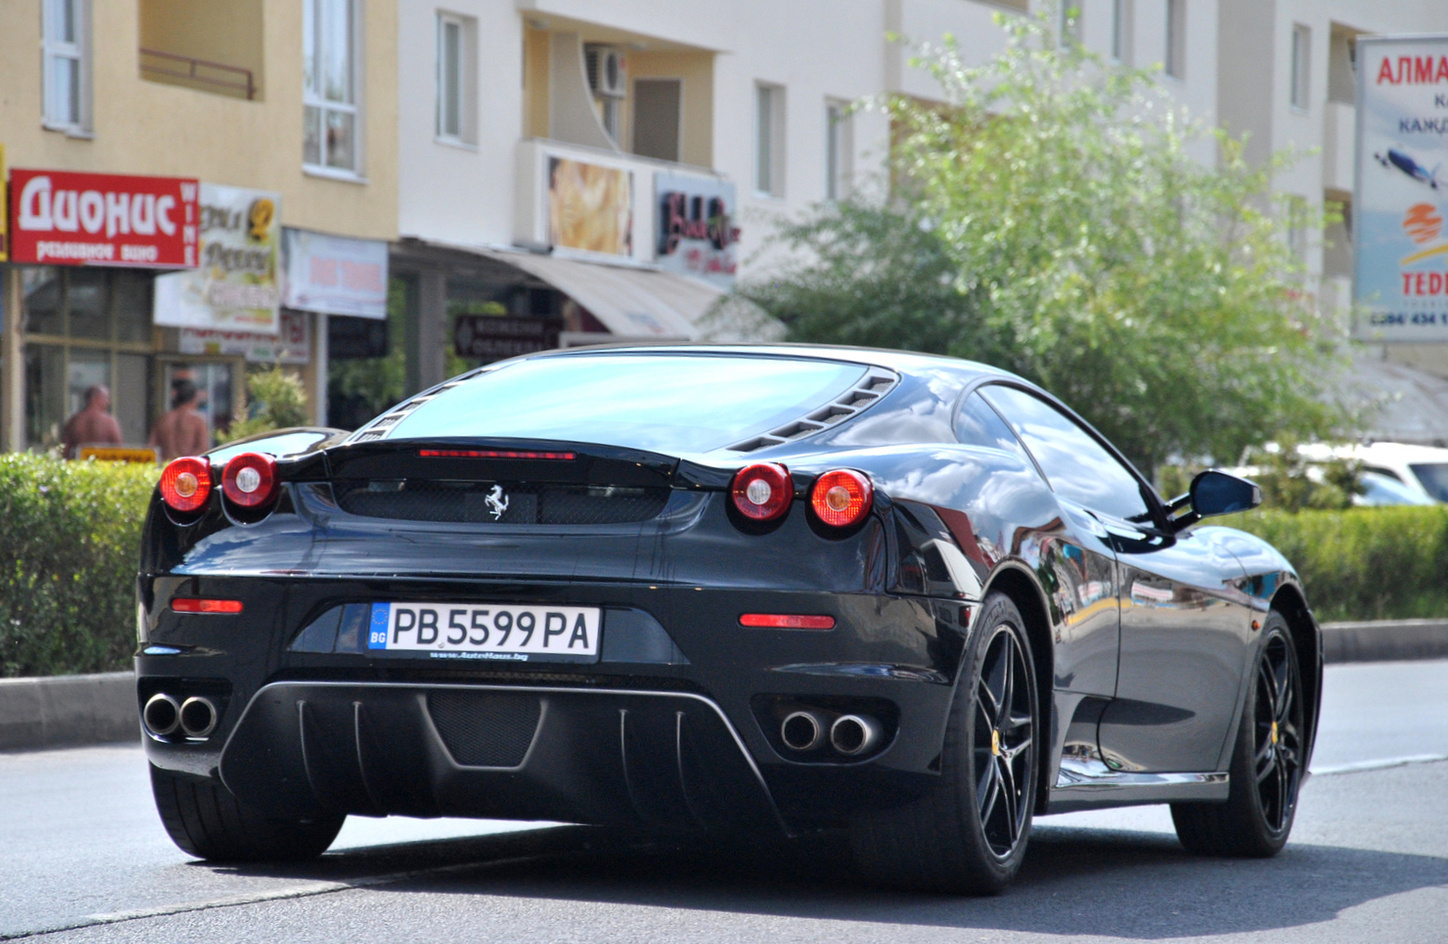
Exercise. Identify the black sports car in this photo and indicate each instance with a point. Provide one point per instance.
(780, 588)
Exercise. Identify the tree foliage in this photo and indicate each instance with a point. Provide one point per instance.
(1049, 218)
(274, 400)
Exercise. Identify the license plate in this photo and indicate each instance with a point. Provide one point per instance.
(495, 631)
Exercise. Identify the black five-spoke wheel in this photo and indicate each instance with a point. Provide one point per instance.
(968, 834)
(1267, 761)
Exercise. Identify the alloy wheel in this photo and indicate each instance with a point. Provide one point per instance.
(1002, 757)
(1277, 736)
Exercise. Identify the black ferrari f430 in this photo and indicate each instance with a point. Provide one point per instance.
(776, 589)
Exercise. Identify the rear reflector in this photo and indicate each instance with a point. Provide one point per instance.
(762, 491)
(186, 483)
(493, 454)
(194, 605)
(787, 621)
(842, 498)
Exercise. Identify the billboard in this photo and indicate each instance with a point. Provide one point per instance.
(697, 233)
(1400, 265)
(590, 207)
(334, 275)
(236, 288)
(65, 218)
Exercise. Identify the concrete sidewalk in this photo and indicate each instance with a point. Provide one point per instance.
(71, 710)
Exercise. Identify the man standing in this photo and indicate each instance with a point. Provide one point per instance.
(183, 431)
(92, 424)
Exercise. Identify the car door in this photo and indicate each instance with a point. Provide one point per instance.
(1184, 621)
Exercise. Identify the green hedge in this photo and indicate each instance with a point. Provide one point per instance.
(70, 535)
(70, 539)
(1364, 563)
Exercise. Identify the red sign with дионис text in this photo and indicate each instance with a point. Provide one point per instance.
(66, 218)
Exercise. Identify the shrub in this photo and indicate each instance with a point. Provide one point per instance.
(274, 399)
(1363, 563)
(69, 547)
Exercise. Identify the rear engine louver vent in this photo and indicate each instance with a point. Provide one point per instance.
(380, 427)
(871, 388)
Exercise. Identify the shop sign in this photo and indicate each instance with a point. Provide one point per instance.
(494, 337)
(64, 218)
(334, 275)
(4, 210)
(697, 234)
(236, 287)
(148, 455)
(590, 207)
(292, 344)
(1400, 243)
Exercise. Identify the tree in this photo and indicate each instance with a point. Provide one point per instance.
(1049, 218)
(274, 400)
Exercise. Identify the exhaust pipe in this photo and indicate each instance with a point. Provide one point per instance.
(854, 734)
(198, 716)
(162, 715)
(802, 731)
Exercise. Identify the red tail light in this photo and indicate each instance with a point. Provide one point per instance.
(186, 483)
(250, 479)
(763, 491)
(842, 498)
(787, 620)
(194, 605)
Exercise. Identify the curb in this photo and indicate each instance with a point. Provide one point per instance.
(75, 710)
(68, 710)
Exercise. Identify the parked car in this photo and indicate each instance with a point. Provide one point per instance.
(1420, 469)
(780, 589)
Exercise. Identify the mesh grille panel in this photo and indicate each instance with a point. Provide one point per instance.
(485, 729)
(489, 502)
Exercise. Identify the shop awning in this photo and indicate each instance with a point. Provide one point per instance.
(647, 303)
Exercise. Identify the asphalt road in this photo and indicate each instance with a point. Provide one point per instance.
(83, 858)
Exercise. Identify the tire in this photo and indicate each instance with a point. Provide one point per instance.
(1266, 770)
(968, 834)
(206, 820)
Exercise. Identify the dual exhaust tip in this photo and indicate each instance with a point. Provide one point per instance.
(164, 716)
(848, 734)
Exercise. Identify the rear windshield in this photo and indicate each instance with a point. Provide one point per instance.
(669, 403)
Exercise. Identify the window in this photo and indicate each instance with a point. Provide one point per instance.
(1301, 50)
(1121, 30)
(1078, 467)
(979, 425)
(1070, 23)
(66, 83)
(657, 118)
(769, 140)
(456, 79)
(839, 150)
(1176, 38)
(331, 135)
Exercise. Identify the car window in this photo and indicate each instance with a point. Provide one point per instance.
(669, 403)
(1434, 476)
(1077, 466)
(979, 425)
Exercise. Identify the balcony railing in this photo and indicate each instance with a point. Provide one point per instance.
(229, 80)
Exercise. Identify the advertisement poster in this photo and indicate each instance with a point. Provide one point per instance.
(292, 344)
(1401, 247)
(696, 227)
(236, 287)
(65, 218)
(334, 275)
(590, 207)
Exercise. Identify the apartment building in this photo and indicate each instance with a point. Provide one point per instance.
(161, 154)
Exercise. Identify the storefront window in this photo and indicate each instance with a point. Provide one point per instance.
(85, 326)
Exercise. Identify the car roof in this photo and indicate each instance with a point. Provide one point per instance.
(902, 361)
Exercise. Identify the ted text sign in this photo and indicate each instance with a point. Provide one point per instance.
(64, 218)
(1400, 282)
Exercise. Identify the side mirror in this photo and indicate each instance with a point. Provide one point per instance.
(1213, 493)
(1217, 493)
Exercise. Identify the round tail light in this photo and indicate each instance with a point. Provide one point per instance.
(186, 484)
(842, 498)
(250, 480)
(762, 492)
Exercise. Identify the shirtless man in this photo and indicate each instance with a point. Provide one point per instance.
(183, 431)
(92, 424)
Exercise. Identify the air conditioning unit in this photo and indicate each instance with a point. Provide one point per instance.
(607, 70)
